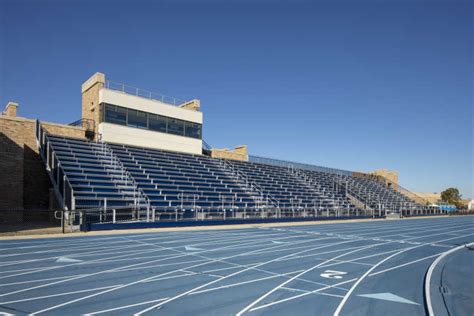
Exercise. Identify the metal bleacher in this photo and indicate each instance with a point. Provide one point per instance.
(179, 186)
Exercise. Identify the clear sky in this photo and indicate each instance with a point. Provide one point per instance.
(356, 85)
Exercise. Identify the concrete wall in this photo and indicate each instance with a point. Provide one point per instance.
(140, 137)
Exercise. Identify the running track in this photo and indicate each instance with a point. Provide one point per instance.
(365, 268)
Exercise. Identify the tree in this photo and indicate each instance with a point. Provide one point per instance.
(452, 196)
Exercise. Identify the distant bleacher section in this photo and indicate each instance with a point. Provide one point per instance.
(163, 185)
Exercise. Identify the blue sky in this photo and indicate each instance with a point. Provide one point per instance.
(357, 85)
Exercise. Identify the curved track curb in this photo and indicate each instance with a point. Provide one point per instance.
(429, 274)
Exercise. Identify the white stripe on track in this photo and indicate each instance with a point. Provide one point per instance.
(351, 290)
(255, 302)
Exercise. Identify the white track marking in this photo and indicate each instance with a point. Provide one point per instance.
(91, 274)
(351, 290)
(253, 267)
(109, 259)
(244, 282)
(124, 307)
(301, 295)
(430, 273)
(30, 271)
(231, 275)
(140, 281)
(34, 281)
(347, 227)
(170, 277)
(309, 292)
(355, 279)
(404, 264)
(114, 250)
(211, 236)
(255, 302)
(398, 229)
(172, 272)
(59, 294)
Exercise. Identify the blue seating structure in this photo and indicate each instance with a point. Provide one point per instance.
(176, 186)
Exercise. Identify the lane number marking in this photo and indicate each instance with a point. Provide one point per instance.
(332, 274)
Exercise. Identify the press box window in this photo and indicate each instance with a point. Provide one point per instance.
(115, 114)
(137, 119)
(175, 127)
(192, 130)
(157, 123)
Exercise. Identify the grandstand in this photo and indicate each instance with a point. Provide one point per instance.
(140, 157)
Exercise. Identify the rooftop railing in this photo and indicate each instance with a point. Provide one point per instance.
(291, 164)
(111, 85)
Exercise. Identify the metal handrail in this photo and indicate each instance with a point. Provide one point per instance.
(141, 193)
(88, 124)
(205, 145)
(304, 166)
(311, 183)
(111, 85)
(416, 198)
(42, 142)
(249, 185)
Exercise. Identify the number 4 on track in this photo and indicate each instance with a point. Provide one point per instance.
(331, 274)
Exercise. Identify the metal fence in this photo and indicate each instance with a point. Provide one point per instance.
(143, 93)
(291, 164)
(228, 212)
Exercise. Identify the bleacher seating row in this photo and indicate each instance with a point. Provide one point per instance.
(118, 175)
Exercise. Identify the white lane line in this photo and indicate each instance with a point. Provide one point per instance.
(31, 271)
(234, 274)
(372, 229)
(91, 241)
(34, 281)
(404, 264)
(253, 267)
(244, 282)
(170, 277)
(345, 227)
(398, 229)
(339, 261)
(59, 294)
(145, 279)
(309, 292)
(125, 306)
(61, 250)
(302, 295)
(114, 259)
(113, 250)
(255, 302)
(429, 274)
(199, 287)
(351, 290)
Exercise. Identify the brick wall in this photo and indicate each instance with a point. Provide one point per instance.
(24, 182)
(11, 164)
(239, 153)
(90, 98)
